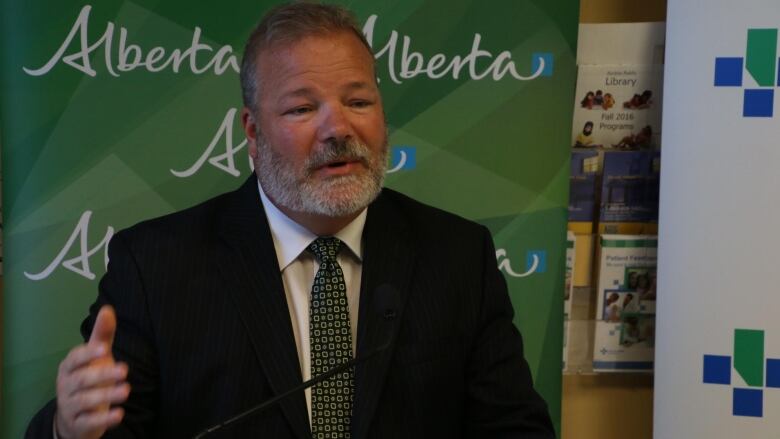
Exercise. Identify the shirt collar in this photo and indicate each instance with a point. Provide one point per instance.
(291, 238)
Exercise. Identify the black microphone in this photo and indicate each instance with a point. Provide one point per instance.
(386, 304)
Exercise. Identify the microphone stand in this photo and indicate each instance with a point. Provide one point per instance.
(304, 385)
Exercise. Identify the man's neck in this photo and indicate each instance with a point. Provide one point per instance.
(320, 225)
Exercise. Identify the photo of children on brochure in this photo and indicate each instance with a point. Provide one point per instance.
(598, 100)
(618, 107)
(605, 101)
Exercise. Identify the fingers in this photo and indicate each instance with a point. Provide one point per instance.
(85, 397)
(83, 355)
(96, 376)
(99, 344)
(90, 401)
(98, 421)
(105, 327)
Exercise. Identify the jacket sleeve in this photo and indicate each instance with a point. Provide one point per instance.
(123, 287)
(42, 424)
(502, 401)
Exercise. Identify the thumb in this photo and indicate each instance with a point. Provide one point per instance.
(105, 326)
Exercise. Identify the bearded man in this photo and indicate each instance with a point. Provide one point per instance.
(206, 312)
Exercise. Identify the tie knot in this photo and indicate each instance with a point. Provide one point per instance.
(325, 248)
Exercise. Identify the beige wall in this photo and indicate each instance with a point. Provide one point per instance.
(613, 406)
(618, 11)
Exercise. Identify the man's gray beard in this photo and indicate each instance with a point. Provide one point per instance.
(337, 196)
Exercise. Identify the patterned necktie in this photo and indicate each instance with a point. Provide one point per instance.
(331, 344)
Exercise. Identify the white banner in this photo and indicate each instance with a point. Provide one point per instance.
(718, 331)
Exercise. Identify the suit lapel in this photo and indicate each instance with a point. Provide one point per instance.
(388, 259)
(251, 272)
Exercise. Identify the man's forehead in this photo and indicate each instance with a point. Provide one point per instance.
(322, 41)
(338, 59)
(309, 90)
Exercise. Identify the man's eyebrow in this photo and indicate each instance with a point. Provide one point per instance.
(308, 91)
(303, 91)
(357, 85)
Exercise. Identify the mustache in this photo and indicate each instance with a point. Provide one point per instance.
(350, 150)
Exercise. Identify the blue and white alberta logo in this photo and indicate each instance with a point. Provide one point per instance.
(402, 158)
(535, 262)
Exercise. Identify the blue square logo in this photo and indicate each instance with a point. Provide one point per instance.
(728, 72)
(402, 158)
(536, 261)
(717, 369)
(758, 102)
(760, 55)
(773, 373)
(748, 402)
(536, 60)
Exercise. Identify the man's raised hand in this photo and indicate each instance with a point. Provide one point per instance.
(89, 381)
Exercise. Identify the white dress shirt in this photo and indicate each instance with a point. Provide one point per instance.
(299, 267)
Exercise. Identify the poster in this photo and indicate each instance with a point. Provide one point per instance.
(626, 307)
(117, 111)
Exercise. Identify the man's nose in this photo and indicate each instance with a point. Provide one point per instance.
(335, 125)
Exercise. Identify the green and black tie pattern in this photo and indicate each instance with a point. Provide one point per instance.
(331, 344)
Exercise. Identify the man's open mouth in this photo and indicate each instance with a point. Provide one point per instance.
(340, 163)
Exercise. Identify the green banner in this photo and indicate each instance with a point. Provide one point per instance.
(118, 111)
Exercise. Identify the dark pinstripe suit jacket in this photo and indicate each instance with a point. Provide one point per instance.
(204, 325)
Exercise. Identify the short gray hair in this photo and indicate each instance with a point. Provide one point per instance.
(289, 23)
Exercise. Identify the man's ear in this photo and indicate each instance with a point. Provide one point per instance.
(249, 122)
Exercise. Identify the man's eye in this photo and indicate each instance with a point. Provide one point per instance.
(360, 103)
(298, 111)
